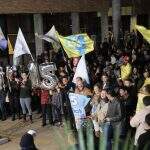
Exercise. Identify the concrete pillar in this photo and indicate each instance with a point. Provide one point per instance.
(38, 28)
(104, 19)
(75, 22)
(116, 17)
(133, 22)
(149, 20)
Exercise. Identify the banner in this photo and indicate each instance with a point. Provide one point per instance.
(10, 48)
(21, 48)
(76, 45)
(3, 41)
(51, 36)
(78, 103)
(145, 32)
(81, 71)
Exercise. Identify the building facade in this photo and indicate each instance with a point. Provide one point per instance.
(69, 16)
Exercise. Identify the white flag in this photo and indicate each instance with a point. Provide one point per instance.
(51, 36)
(3, 41)
(1, 34)
(81, 71)
(21, 47)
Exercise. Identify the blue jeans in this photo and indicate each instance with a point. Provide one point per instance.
(108, 135)
(26, 103)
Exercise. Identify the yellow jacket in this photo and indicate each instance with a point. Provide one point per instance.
(126, 71)
(141, 95)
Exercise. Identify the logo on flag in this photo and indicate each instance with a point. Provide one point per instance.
(78, 103)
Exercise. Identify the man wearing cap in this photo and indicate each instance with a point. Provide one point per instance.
(27, 141)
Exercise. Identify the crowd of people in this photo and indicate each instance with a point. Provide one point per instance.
(119, 90)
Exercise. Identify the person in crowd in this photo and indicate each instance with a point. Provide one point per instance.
(13, 94)
(45, 105)
(57, 106)
(105, 81)
(101, 113)
(113, 119)
(27, 141)
(66, 87)
(125, 68)
(25, 96)
(81, 88)
(144, 139)
(127, 109)
(135, 76)
(2, 95)
(95, 105)
(132, 91)
(145, 91)
(138, 120)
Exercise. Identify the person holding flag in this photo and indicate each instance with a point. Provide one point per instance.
(20, 49)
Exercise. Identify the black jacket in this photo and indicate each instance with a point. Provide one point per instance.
(27, 142)
(144, 141)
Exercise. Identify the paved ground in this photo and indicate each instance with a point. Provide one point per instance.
(48, 138)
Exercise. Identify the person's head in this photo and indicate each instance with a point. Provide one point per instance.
(97, 89)
(135, 70)
(65, 80)
(123, 92)
(146, 100)
(146, 74)
(127, 83)
(79, 82)
(104, 78)
(24, 76)
(75, 61)
(125, 60)
(110, 94)
(103, 94)
(146, 89)
(62, 73)
(119, 82)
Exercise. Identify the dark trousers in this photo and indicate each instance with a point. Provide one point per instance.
(15, 107)
(56, 112)
(3, 110)
(46, 112)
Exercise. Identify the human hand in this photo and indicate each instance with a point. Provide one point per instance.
(97, 134)
(107, 119)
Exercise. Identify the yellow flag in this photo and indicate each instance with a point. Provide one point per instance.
(76, 45)
(10, 48)
(145, 32)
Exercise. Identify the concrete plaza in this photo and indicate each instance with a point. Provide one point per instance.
(48, 137)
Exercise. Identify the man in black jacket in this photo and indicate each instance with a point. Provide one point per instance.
(113, 120)
(27, 141)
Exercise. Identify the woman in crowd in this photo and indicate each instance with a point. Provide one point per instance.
(25, 96)
(45, 105)
(14, 90)
(57, 106)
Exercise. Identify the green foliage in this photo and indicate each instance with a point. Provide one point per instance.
(86, 139)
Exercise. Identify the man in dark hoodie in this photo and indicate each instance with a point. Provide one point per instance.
(27, 141)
